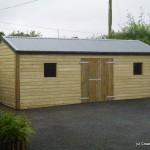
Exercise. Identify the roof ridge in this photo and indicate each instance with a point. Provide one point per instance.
(23, 37)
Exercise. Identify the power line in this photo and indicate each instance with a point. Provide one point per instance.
(18, 5)
(39, 27)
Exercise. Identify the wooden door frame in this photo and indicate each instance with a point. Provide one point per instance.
(106, 73)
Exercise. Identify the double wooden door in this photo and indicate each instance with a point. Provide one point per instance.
(96, 79)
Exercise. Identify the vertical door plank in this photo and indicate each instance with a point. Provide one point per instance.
(103, 79)
(92, 75)
(99, 82)
(107, 78)
(110, 78)
(84, 81)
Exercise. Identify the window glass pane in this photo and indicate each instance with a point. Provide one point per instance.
(137, 68)
(50, 70)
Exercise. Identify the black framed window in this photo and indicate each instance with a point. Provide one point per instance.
(50, 69)
(137, 68)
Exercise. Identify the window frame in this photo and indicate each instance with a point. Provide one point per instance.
(46, 76)
(141, 69)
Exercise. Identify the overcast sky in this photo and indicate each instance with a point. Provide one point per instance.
(81, 18)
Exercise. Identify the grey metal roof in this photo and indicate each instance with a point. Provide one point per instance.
(26, 44)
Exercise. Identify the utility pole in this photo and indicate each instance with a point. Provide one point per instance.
(110, 18)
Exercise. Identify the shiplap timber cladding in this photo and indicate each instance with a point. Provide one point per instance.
(37, 91)
(7, 76)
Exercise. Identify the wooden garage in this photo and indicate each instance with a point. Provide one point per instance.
(42, 72)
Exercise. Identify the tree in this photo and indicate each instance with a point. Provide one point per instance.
(26, 34)
(133, 30)
(1, 34)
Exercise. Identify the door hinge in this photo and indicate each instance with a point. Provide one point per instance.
(84, 62)
(110, 62)
(110, 96)
(84, 98)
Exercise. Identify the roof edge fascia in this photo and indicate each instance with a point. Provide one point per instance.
(9, 44)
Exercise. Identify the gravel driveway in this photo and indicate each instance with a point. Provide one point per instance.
(116, 125)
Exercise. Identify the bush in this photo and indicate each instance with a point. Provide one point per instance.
(13, 127)
(133, 30)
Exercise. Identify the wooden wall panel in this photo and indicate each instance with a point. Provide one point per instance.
(7, 76)
(127, 85)
(37, 91)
